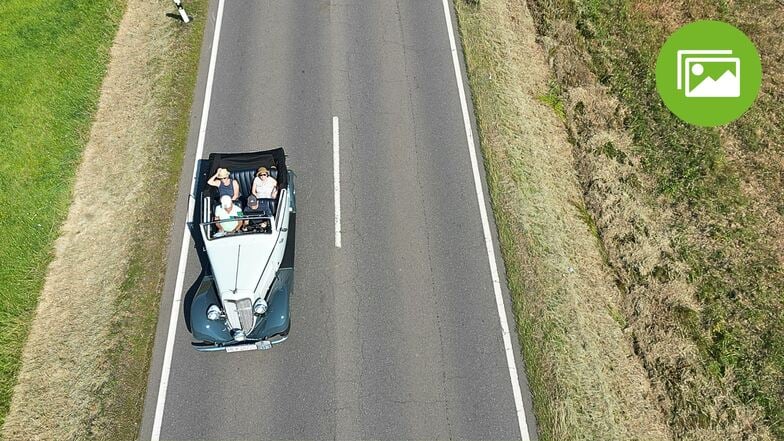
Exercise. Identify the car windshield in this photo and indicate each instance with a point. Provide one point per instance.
(251, 224)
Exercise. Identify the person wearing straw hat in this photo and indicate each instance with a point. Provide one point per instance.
(226, 185)
(264, 185)
(265, 188)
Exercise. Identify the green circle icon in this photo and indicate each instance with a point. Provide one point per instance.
(708, 73)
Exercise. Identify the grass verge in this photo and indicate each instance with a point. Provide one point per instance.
(101, 293)
(53, 57)
(586, 382)
(691, 217)
(142, 288)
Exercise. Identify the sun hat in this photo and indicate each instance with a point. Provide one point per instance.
(262, 170)
(223, 173)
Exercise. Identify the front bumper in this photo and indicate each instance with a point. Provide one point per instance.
(259, 345)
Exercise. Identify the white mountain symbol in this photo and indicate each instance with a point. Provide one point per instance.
(726, 86)
(692, 64)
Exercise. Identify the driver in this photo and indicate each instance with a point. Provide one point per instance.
(254, 208)
(227, 216)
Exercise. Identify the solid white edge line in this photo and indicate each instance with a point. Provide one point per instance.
(175, 309)
(336, 175)
(510, 360)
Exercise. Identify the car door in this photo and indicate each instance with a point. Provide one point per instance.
(282, 227)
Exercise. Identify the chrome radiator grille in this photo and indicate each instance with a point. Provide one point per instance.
(245, 313)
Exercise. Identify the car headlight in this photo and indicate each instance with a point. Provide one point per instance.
(260, 307)
(238, 334)
(214, 313)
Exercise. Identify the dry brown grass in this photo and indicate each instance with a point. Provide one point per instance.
(77, 355)
(658, 292)
(694, 269)
(587, 383)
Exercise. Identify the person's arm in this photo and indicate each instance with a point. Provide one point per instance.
(275, 188)
(236, 190)
(214, 181)
(218, 223)
(253, 188)
(240, 215)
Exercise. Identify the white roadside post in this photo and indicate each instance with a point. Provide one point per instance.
(182, 12)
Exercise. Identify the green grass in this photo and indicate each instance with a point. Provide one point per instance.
(585, 381)
(553, 100)
(53, 56)
(719, 231)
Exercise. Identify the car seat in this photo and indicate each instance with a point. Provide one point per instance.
(245, 179)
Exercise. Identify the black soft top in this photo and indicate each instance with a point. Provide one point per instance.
(239, 162)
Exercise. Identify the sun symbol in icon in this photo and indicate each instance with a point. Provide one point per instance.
(697, 69)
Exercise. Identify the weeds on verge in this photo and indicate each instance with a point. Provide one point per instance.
(705, 202)
(105, 279)
(585, 380)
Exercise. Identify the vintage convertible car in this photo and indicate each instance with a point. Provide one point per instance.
(242, 301)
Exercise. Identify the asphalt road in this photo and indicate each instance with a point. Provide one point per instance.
(396, 334)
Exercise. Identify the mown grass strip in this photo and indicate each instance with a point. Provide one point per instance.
(142, 288)
(53, 56)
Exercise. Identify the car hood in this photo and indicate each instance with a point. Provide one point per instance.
(239, 262)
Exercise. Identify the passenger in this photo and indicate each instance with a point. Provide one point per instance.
(226, 185)
(255, 209)
(227, 217)
(265, 187)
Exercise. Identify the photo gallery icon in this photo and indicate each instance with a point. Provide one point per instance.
(708, 73)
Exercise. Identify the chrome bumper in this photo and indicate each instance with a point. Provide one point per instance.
(240, 347)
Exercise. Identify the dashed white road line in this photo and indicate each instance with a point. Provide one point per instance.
(166, 369)
(510, 360)
(336, 175)
(186, 239)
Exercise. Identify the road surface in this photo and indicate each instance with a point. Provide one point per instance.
(396, 333)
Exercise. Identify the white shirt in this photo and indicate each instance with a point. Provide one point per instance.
(229, 223)
(265, 188)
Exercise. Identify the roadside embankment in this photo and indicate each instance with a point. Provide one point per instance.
(586, 381)
(52, 60)
(692, 218)
(671, 323)
(84, 367)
